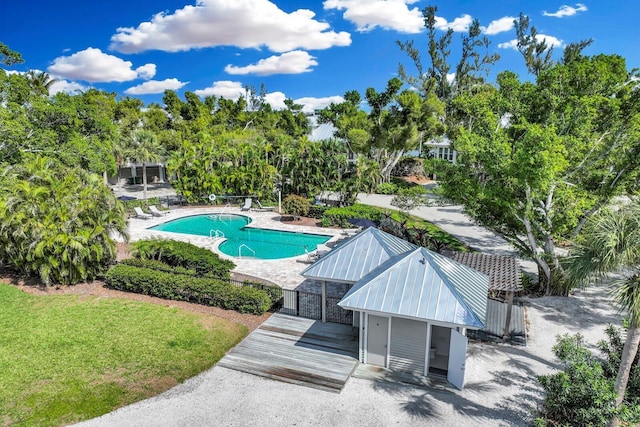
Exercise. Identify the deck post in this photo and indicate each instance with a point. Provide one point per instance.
(324, 301)
(507, 323)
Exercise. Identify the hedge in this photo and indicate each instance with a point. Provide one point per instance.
(337, 217)
(180, 287)
(273, 291)
(182, 254)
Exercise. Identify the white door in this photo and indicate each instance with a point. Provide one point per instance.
(377, 340)
(457, 359)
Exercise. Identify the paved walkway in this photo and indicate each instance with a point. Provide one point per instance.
(454, 221)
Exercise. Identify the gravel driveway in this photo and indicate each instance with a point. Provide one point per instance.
(500, 389)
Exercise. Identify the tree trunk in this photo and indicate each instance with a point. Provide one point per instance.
(626, 361)
(144, 181)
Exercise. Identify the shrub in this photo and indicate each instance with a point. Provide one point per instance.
(58, 222)
(182, 254)
(181, 287)
(387, 188)
(157, 265)
(317, 211)
(296, 205)
(584, 393)
(337, 217)
(581, 394)
(410, 198)
(274, 292)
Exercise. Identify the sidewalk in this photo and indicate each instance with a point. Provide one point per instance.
(452, 220)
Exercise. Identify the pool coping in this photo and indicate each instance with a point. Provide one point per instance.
(285, 271)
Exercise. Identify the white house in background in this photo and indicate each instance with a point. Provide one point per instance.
(441, 148)
(412, 306)
(131, 173)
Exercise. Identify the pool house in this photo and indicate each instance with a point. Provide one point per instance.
(412, 306)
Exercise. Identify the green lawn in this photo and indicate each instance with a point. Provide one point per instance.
(68, 358)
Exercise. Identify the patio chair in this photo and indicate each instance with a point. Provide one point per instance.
(322, 250)
(157, 212)
(265, 208)
(311, 256)
(141, 214)
(247, 205)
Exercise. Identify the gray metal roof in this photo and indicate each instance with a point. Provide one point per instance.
(322, 131)
(358, 256)
(424, 285)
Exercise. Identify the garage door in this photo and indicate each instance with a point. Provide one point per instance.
(408, 345)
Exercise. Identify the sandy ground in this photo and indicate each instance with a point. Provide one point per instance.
(500, 390)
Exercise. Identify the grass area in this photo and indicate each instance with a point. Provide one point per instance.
(69, 358)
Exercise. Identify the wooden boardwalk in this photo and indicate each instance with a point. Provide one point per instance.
(298, 351)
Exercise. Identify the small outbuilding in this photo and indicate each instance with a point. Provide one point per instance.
(412, 306)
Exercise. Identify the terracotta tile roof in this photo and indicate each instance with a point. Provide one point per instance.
(504, 272)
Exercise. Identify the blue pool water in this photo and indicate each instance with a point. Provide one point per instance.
(242, 240)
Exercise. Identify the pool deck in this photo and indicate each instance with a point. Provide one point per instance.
(285, 272)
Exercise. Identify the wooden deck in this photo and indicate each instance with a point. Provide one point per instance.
(298, 351)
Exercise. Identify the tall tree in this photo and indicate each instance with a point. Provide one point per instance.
(144, 148)
(57, 222)
(611, 243)
(8, 56)
(535, 160)
(40, 82)
(536, 52)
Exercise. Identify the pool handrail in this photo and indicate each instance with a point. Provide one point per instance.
(240, 250)
(218, 234)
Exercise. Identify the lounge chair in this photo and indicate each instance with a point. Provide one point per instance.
(157, 212)
(322, 249)
(141, 214)
(311, 256)
(247, 205)
(265, 208)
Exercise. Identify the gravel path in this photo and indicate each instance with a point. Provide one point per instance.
(501, 387)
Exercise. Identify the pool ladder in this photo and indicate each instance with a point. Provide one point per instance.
(216, 234)
(245, 246)
(218, 216)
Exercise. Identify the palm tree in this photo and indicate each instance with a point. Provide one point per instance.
(40, 81)
(144, 148)
(611, 243)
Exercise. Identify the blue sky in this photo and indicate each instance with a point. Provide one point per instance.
(309, 51)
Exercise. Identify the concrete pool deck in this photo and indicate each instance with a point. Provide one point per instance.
(284, 272)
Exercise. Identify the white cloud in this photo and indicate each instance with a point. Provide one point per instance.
(386, 14)
(276, 100)
(224, 88)
(295, 62)
(310, 104)
(146, 71)
(67, 87)
(241, 23)
(155, 86)
(550, 40)
(92, 65)
(458, 25)
(499, 26)
(565, 10)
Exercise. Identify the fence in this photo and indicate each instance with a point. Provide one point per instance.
(309, 305)
(300, 303)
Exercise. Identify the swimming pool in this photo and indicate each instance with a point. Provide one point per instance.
(242, 240)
